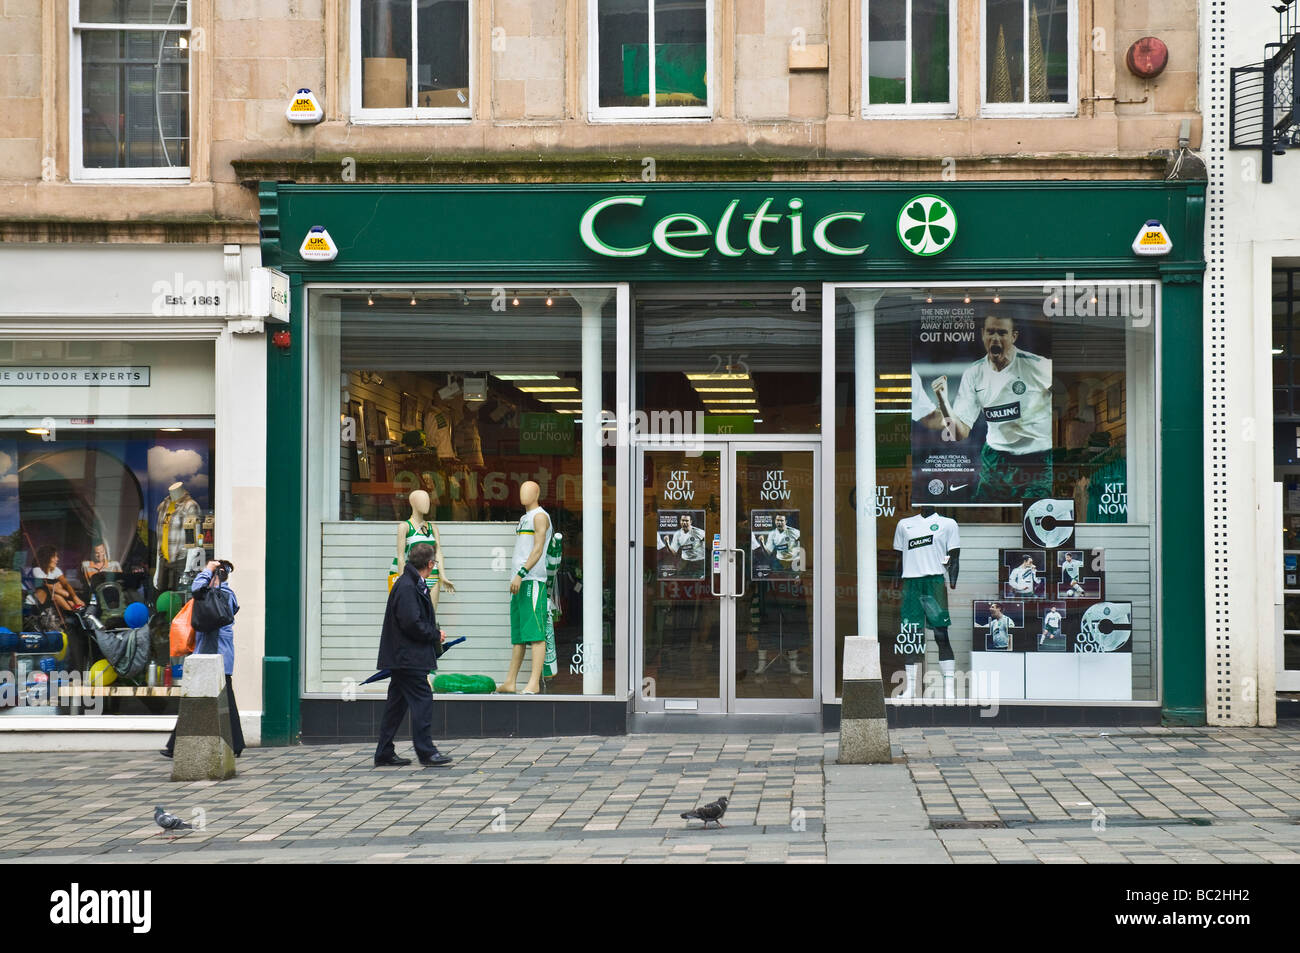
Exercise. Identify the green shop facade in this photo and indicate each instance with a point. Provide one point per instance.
(961, 418)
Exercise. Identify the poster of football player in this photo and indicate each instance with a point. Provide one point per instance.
(680, 544)
(1077, 575)
(997, 624)
(981, 403)
(1051, 625)
(1023, 573)
(775, 545)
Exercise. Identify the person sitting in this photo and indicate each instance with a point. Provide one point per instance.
(98, 561)
(51, 584)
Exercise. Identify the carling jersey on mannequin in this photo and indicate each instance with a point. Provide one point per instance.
(929, 544)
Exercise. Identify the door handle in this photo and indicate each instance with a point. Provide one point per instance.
(737, 549)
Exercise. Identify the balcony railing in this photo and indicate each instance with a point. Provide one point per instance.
(1262, 110)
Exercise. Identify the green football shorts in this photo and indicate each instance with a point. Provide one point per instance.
(925, 602)
(1013, 477)
(528, 613)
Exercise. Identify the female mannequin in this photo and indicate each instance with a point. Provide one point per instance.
(418, 529)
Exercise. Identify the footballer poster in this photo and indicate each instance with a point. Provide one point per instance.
(775, 545)
(981, 378)
(1023, 573)
(998, 626)
(680, 548)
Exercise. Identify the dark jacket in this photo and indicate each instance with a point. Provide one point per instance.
(410, 637)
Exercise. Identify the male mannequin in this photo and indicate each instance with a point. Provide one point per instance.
(410, 533)
(528, 590)
(929, 543)
(169, 562)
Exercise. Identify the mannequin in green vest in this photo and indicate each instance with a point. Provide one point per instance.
(419, 529)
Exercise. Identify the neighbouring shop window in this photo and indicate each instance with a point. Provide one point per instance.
(119, 521)
(711, 361)
(412, 57)
(461, 397)
(1015, 431)
(652, 57)
(131, 93)
(909, 57)
(106, 501)
(1029, 55)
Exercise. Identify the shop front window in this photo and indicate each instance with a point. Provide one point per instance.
(106, 516)
(1011, 514)
(431, 411)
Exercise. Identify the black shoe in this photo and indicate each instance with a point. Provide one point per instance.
(391, 760)
(438, 760)
(164, 752)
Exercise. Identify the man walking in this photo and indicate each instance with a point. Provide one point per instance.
(408, 648)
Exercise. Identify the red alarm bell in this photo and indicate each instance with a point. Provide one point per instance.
(1147, 58)
(282, 340)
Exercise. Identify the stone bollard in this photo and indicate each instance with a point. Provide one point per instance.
(864, 727)
(203, 750)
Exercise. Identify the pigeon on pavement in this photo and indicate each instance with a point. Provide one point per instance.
(709, 812)
(169, 822)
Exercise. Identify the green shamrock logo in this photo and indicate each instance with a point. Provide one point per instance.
(926, 225)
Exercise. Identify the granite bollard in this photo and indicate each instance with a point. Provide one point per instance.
(203, 747)
(864, 726)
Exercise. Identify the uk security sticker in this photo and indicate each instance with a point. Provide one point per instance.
(304, 108)
(1153, 240)
(318, 246)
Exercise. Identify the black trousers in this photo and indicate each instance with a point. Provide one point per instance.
(408, 688)
(236, 730)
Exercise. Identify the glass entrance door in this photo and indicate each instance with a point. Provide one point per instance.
(727, 616)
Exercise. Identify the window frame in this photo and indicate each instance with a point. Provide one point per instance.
(77, 171)
(649, 112)
(407, 116)
(909, 110)
(1027, 110)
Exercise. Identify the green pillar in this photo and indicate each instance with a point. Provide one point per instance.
(1182, 492)
(281, 718)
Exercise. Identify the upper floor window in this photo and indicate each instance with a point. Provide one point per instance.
(130, 89)
(1030, 55)
(651, 58)
(410, 59)
(909, 63)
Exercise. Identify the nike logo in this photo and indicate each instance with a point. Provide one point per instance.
(958, 486)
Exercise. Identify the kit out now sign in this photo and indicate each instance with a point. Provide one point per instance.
(775, 486)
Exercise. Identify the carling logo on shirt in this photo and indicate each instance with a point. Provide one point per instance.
(920, 541)
(1002, 413)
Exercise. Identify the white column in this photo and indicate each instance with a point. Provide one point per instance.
(592, 302)
(864, 462)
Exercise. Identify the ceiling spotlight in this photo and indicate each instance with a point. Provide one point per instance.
(515, 302)
(967, 298)
(370, 298)
(549, 302)
(997, 298)
(929, 299)
(412, 299)
(464, 298)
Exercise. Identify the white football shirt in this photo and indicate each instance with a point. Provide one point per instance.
(1016, 402)
(1052, 621)
(925, 542)
(922, 405)
(1022, 579)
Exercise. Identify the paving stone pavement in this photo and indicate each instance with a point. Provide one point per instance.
(1139, 795)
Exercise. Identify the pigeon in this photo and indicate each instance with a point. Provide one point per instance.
(169, 822)
(709, 812)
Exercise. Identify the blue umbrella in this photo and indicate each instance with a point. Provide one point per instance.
(384, 673)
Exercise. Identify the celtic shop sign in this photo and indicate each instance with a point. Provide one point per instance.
(927, 225)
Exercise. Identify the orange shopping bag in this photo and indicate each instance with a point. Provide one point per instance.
(182, 633)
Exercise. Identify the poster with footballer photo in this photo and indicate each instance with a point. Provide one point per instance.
(1022, 573)
(776, 547)
(999, 626)
(1078, 575)
(680, 544)
(981, 378)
